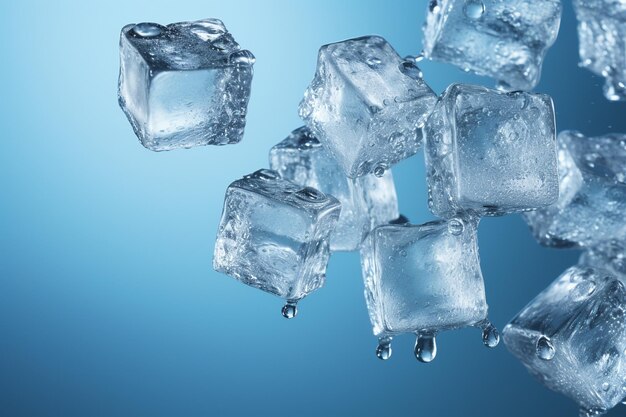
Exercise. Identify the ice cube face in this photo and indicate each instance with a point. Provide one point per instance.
(366, 105)
(423, 278)
(592, 204)
(185, 84)
(503, 39)
(580, 319)
(602, 45)
(274, 235)
(490, 153)
(366, 201)
(610, 256)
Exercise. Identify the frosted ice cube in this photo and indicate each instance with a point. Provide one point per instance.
(592, 205)
(274, 235)
(185, 84)
(366, 105)
(572, 337)
(424, 279)
(610, 256)
(602, 47)
(366, 201)
(503, 39)
(490, 152)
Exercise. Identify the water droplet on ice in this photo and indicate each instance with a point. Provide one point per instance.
(244, 57)
(433, 6)
(491, 336)
(455, 227)
(545, 349)
(379, 171)
(290, 310)
(425, 347)
(383, 350)
(311, 194)
(474, 9)
(147, 29)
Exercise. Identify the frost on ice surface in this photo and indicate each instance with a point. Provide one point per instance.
(185, 84)
(592, 205)
(503, 39)
(366, 105)
(366, 201)
(572, 337)
(274, 235)
(490, 153)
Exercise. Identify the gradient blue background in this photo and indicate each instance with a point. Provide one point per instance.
(108, 303)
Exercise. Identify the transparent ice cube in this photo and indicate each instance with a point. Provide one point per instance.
(185, 84)
(424, 279)
(592, 204)
(490, 153)
(366, 201)
(503, 39)
(274, 235)
(602, 47)
(572, 337)
(366, 104)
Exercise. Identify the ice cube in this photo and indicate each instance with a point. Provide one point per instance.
(424, 279)
(274, 235)
(601, 32)
(366, 105)
(503, 39)
(490, 152)
(572, 337)
(592, 204)
(610, 256)
(185, 84)
(366, 201)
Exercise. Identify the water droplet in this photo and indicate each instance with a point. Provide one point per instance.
(383, 350)
(244, 57)
(147, 30)
(311, 194)
(410, 69)
(474, 9)
(402, 219)
(379, 171)
(545, 349)
(491, 336)
(264, 174)
(290, 310)
(456, 227)
(425, 347)
(583, 290)
(373, 61)
(605, 386)
(433, 6)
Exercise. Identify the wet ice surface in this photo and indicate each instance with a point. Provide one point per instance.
(503, 39)
(610, 256)
(274, 235)
(366, 201)
(602, 46)
(572, 337)
(490, 152)
(592, 205)
(366, 105)
(424, 279)
(185, 84)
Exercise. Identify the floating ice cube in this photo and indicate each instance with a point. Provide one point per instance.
(503, 39)
(572, 337)
(489, 152)
(366, 201)
(185, 84)
(424, 279)
(274, 235)
(610, 256)
(366, 105)
(592, 205)
(601, 32)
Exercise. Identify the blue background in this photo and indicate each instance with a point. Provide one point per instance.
(108, 303)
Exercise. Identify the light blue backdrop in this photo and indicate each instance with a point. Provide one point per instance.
(108, 303)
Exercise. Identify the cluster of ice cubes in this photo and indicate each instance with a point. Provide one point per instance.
(487, 153)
